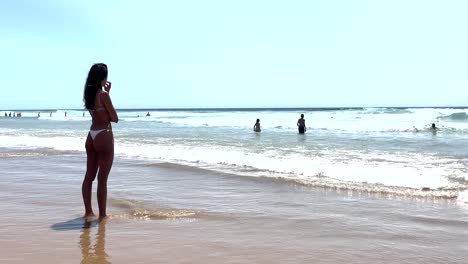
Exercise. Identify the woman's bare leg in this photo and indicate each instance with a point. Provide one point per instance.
(91, 170)
(105, 146)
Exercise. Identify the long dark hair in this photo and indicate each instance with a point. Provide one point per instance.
(97, 73)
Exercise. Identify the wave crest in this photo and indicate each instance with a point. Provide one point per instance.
(460, 116)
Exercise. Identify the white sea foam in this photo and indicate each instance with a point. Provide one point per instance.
(353, 149)
(462, 198)
(59, 143)
(395, 171)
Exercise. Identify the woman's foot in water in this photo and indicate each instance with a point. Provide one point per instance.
(89, 216)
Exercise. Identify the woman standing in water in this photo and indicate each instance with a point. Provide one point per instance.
(100, 141)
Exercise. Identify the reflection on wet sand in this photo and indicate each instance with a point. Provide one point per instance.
(93, 253)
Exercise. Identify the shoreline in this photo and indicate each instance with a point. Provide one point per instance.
(230, 219)
(351, 189)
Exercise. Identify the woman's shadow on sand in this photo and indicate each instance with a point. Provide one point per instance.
(74, 224)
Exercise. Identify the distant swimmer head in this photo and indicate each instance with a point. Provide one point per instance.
(258, 120)
(97, 78)
(433, 126)
(302, 115)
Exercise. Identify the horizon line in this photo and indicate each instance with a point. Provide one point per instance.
(244, 108)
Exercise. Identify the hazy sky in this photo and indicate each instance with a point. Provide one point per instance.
(251, 53)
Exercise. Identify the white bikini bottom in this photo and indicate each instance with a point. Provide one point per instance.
(94, 133)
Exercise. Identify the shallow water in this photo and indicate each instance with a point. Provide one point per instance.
(168, 213)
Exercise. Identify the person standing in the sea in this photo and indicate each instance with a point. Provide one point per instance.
(257, 127)
(100, 141)
(301, 124)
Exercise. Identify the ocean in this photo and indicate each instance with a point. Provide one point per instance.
(361, 185)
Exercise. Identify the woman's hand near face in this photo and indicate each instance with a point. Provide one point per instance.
(107, 86)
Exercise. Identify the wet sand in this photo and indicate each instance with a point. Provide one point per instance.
(164, 213)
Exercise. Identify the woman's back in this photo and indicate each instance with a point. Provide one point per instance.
(100, 116)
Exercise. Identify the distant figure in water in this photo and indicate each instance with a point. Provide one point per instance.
(100, 140)
(148, 114)
(50, 114)
(83, 114)
(9, 115)
(6, 114)
(65, 114)
(39, 114)
(301, 124)
(18, 115)
(256, 127)
(434, 129)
